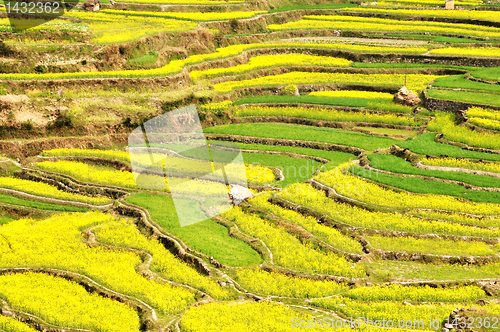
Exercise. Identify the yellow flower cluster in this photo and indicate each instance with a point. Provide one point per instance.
(57, 242)
(462, 163)
(114, 28)
(65, 303)
(325, 233)
(53, 26)
(46, 190)
(427, 3)
(354, 187)
(266, 61)
(164, 262)
(89, 173)
(177, 66)
(276, 284)
(485, 123)
(388, 311)
(380, 24)
(260, 175)
(217, 107)
(485, 52)
(9, 324)
(288, 251)
(306, 195)
(353, 94)
(327, 115)
(485, 113)
(235, 50)
(397, 292)
(362, 19)
(93, 174)
(105, 154)
(244, 316)
(196, 16)
(431, 246)
(444, 123)
(173, 67)
(414, 81)
(482, 221)
(483, 15)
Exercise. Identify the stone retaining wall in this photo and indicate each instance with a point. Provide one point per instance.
(453, 106)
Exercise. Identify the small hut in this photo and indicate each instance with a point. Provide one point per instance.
(239, 194)
(449, 4)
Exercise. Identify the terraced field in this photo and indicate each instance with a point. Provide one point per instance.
(367, 134)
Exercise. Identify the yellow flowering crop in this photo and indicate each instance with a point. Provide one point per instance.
(485, 123)
(106, 154)
(46, 190)
(462, 163)
(53, 26)
(379, 24)
(443, 123)
(246, 316)
(217, 107)
(414, 81)
(362, 19)
(426, 3)
(277, 284)
(306, 195)
(177, 66)
(266, 61)
(484, 15)
(288, 251)
(354, 94)
(397, 292)
(468, 51)
(65, 303)
(357, 188)
(115, 28)
(57, 242)
(327, 115)
(197, 16)
(388, 310)
(164, 262)
(328, 234)
(486, 113)
(93, 174)
(431, 246)
(9, 324)
(481, 221)
(258, 175)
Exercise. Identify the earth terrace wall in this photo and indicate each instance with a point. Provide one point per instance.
(307, 88)
(23, 149)
(69, 184)
(181, 80)
(421, 18)
(256, 24)
(430, 258)
(452, 106)
(352, 56)
(170, 243)
(319, 123)
(223, 7)
(285, 142)
(358, 232)
(146, 313)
